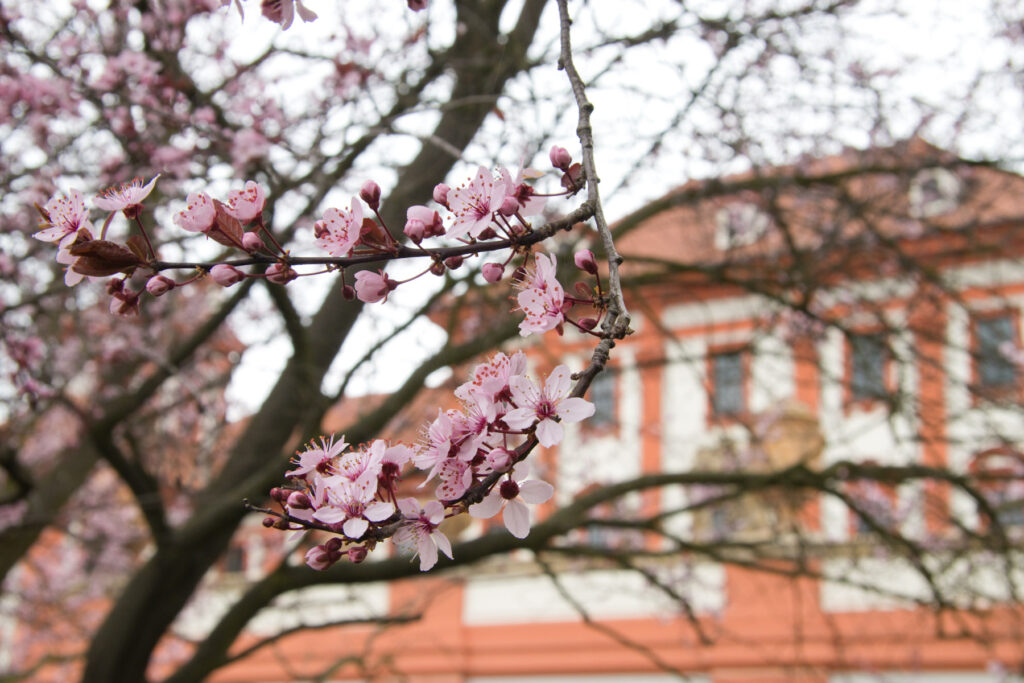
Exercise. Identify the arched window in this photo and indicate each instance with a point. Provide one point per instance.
(1000, 479)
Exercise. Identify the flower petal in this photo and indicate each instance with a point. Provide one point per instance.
(549, 433)
(443, 543)
(488, 507)
(574, 409)
(536, 491)
(517, 519)
(355, 527)
(379, 511)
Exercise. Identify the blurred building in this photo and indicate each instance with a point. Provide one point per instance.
(863, 308)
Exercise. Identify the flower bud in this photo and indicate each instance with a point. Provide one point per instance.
(252, 242)
(499, 459)
(441, 194)
(225, 275)
(299, 501)
(348, 292)
(438, 268)
(587, 323)
(279, 494)
(281, 274)
(370, 193)
(560, 158)
(357, 554)
(493, 272)
(268, 522)
(487, 233)
(333, 545)
(585, 261)
(453, 262)
(509, 206)
(160, 285)
(415, 230)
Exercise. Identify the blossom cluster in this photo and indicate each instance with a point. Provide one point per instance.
(488, 213)
(355, 493)
(283, 11)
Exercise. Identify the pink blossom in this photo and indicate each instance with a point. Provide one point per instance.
(521, 194)
(67, 214)
(542, 299)
(513, 494)
(431, 220)
(542, 406)
(352, 506)
(491, 379)
(283, 12)
(226, 275)
(373, 287)
(317, 457)
(322, 556)
(473, 204)
(419, 532)
(199, 213)
(125, 197)
(440, 194)
(339, 231)
(247, 203)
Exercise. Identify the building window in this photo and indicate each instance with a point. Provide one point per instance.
(602, 395)
(867, 367)
(993, 336)
(933, 192)
(739, 225)
(727, 384)
(1000, 474)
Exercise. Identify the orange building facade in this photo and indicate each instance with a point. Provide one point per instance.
(886, 367)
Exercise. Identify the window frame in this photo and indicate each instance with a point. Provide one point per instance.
(1010, 390)
(852, 398)
(743, 352)
(1012, 470)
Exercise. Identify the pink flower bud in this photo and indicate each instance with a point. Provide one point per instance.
(160, 285)
(441, 194)
(453, 262)
(370, 193)
(348, 292)
(493, 272)
(320, 558)
(587, 323)
(268, 522)
(509, 206)
(585, 261)
(298, 500)
(560, 158)
(357, 554)
(433, 226)
(415, 230)
(499, 459)
(279, 494)
(281, 274)
(252, 242)
(487, 233)
(373, 287)
(225, 275)
(438, 269)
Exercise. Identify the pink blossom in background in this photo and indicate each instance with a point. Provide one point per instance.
(420, 534)
(247, 203)
(512, 495)
(541, 406)
(248, 145)
(474, 203)
(339, 231)
(199, 213)
(126, 196)
(283, 12)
